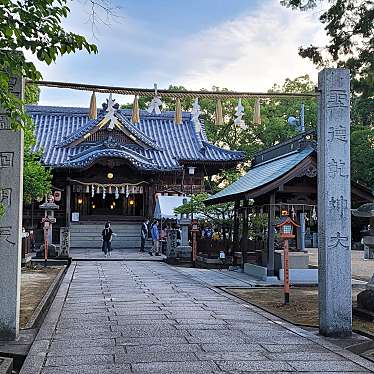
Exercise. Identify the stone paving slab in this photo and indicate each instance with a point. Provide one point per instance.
(148, 317)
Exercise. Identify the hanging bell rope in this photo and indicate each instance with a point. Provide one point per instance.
(169, 93)
(219, 113)
(93, 109)
(135, 110)
(257, 113)
(178, 111)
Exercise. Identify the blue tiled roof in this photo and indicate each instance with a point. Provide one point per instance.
(166, 143)
(263, 174)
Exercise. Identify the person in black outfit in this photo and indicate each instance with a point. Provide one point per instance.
(143, 235)
(107, 239)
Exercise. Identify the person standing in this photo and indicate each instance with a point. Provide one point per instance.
(107, 235)
(143, 235)
(156, 239)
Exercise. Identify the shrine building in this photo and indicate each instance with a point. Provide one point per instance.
(109, 168)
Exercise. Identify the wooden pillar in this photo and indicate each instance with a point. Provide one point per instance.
(245, 232)
(150, 201)
(235, 245)
(68, 204)
(270, 254)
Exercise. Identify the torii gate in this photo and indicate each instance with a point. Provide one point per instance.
(335, 287)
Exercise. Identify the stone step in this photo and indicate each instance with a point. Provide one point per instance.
(88, 235)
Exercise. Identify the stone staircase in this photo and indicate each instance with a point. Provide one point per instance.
(88, 235)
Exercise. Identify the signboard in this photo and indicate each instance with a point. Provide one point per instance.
(75, 217)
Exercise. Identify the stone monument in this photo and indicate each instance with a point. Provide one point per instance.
(171, 245)
(64, 242)
(184, 251)
(11, 197)
(334, 203)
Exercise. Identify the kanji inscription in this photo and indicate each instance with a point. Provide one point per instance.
(6, 196)
(5, 233)
(337, 168)
(6, 160)
(337, 99)
(338, 205)
(337, 133)
(339, 240)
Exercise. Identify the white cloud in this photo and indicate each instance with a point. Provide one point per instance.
(251, 52)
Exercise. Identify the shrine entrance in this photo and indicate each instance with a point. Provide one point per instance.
(107, 202)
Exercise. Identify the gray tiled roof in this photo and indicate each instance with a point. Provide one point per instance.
(263, 174)
(166, 143)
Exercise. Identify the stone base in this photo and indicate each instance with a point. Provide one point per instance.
(365, 300)
(256, 271)
(301, 276)
(6, 365)
(184, 252)
(53, 250)
(296, 260)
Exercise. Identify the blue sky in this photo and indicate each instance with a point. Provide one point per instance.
(237, 44)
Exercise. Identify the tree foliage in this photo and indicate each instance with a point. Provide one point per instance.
(349, 24)
(362, 155)
(217, 214)
(35, 26)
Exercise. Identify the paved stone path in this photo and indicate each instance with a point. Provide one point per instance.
(148, 317)
(116, 254)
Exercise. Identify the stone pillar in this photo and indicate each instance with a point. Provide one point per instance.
(11, 196)
(301, 232)
(235, 244)
(270, 263)
(68, 204)
(245, 232)
(334, 204)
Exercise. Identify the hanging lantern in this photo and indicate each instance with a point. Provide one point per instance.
(92, 191)
(135, 110)
(87, 189)
(110, 189)
(286, 228)
(122, 190)
(178, 111)
(104, 193)
(116, 194)
(93, 110)
(127, 191)
(98, 189)
(219, 113)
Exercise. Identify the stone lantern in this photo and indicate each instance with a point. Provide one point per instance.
(49, 219)
(365, 299)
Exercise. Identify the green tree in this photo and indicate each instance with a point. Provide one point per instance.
(35, 26)
(217, 214)
(362, 155)
(349, 24)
